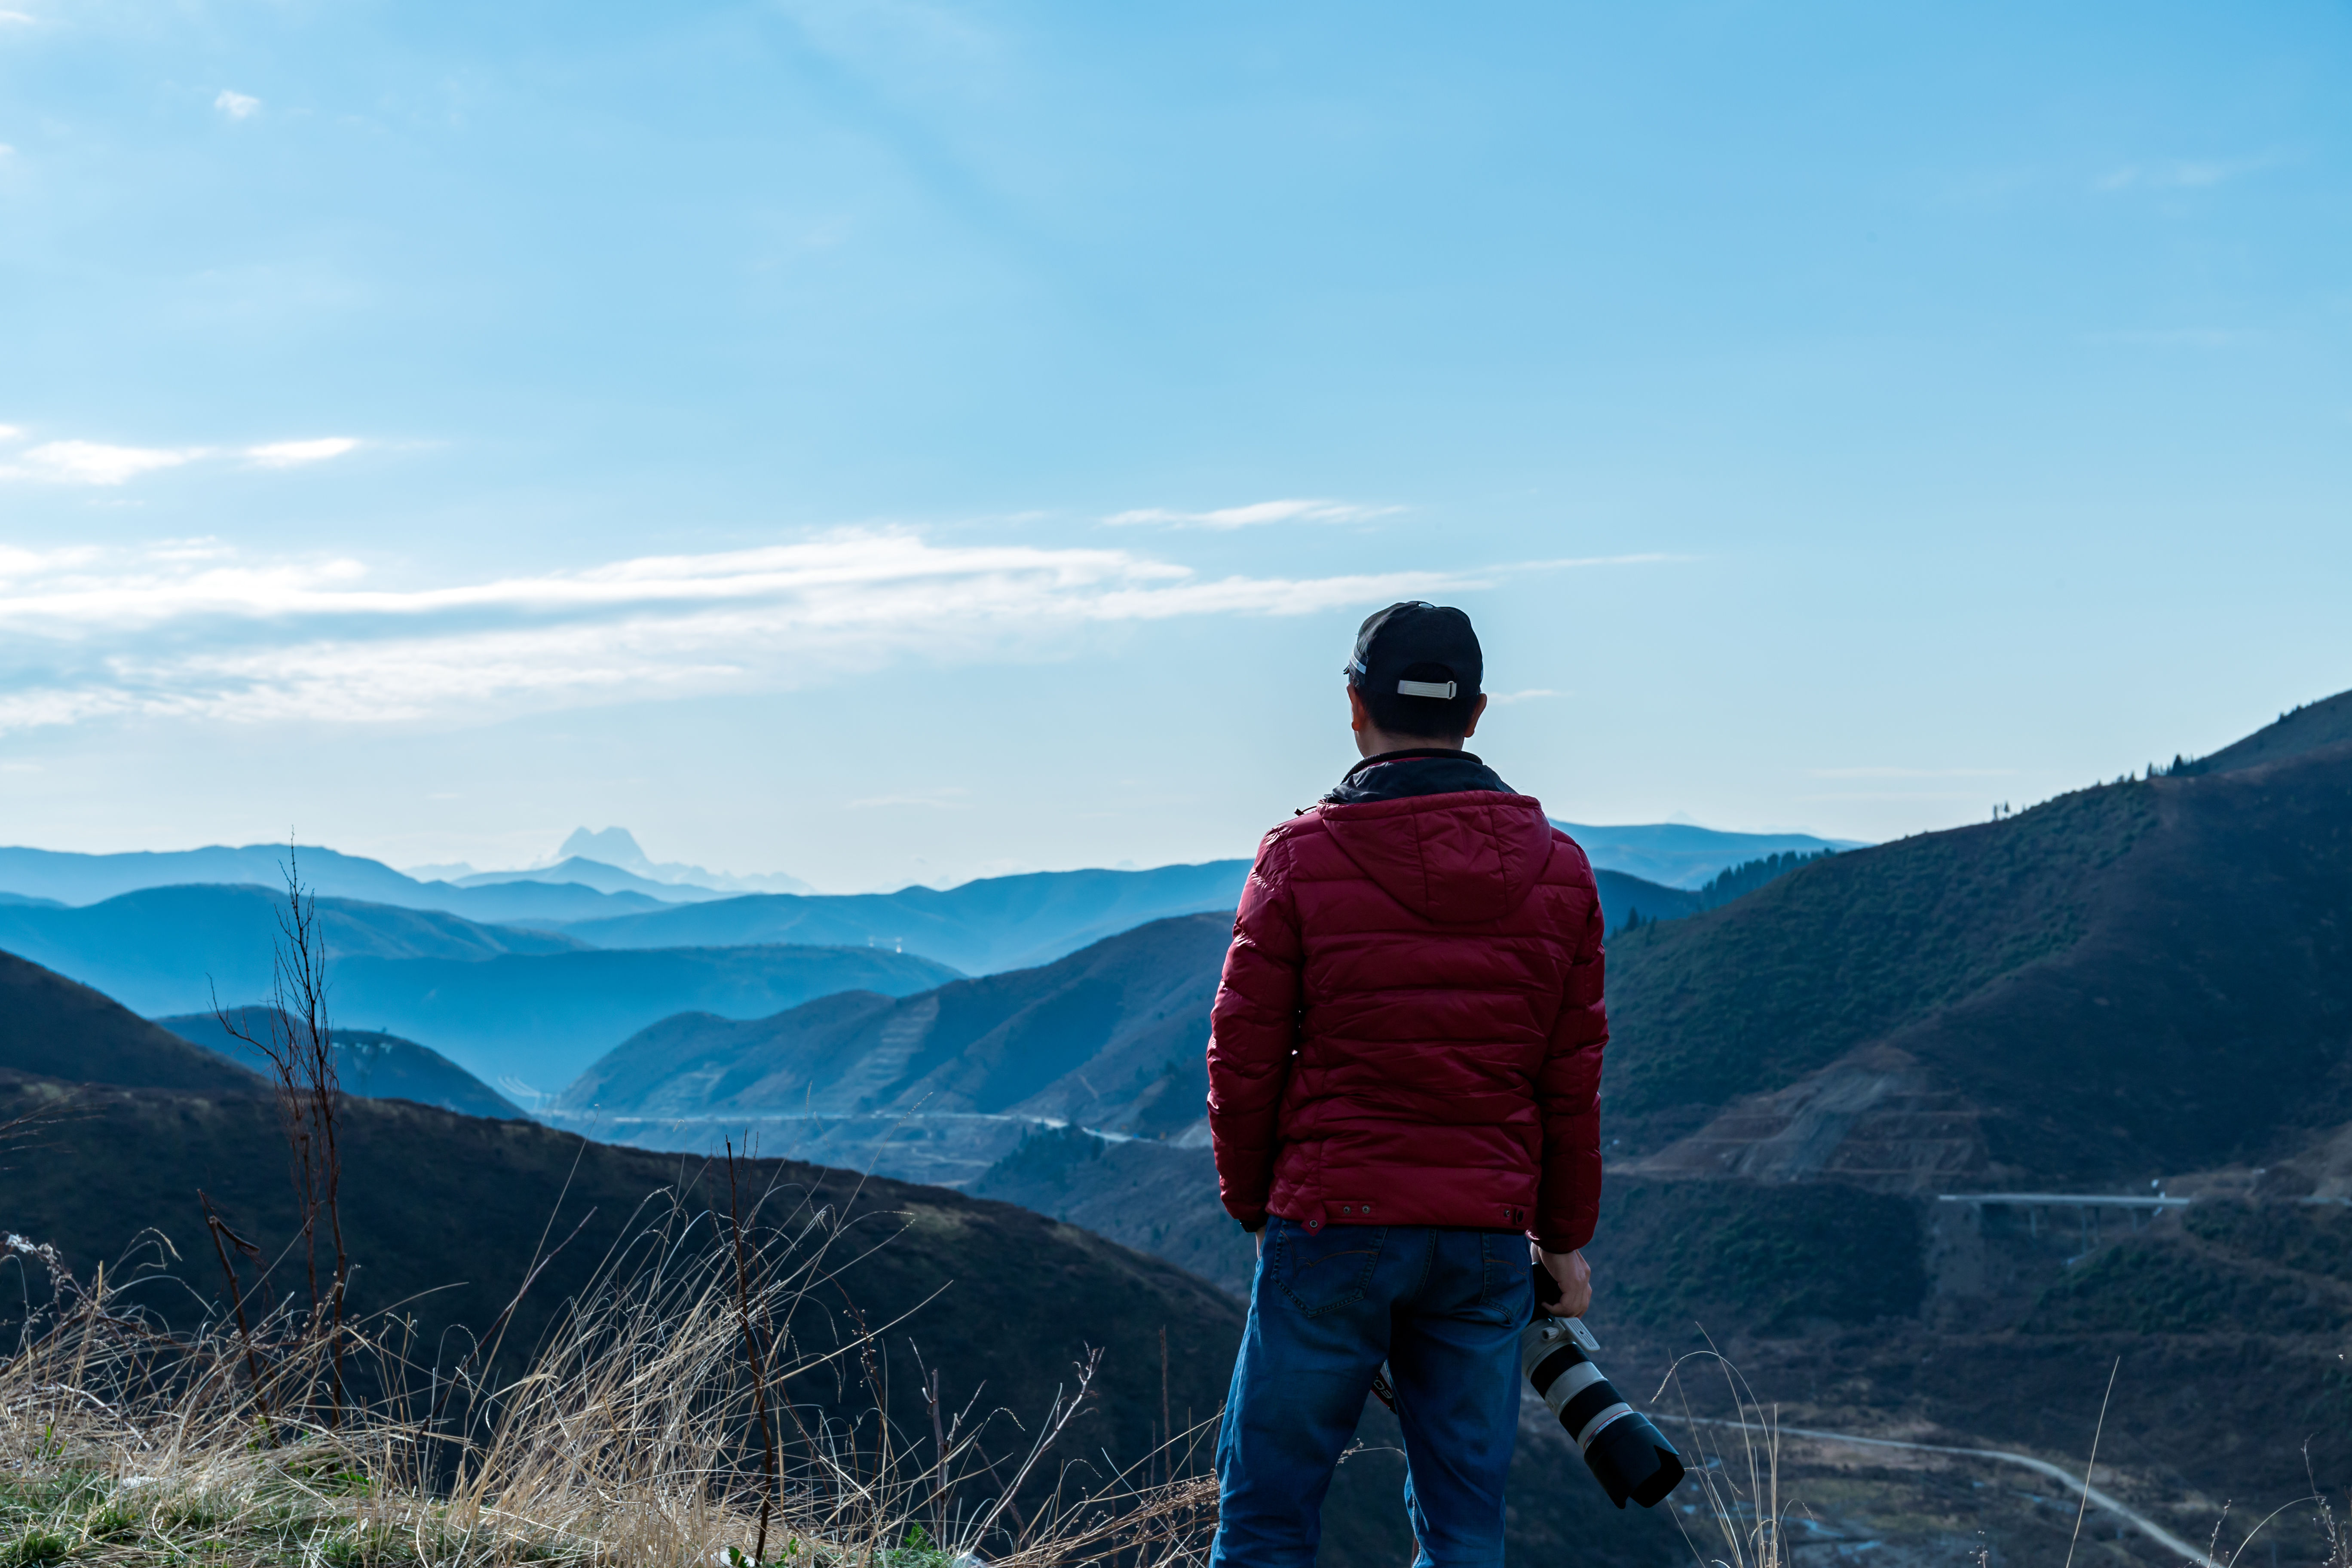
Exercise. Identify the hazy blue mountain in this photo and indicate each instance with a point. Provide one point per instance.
(537, 1020)
(999, 922)
(372, 1065)
(594, 874)
(86, 879)
(540, 903)
(27, 899)
(166, 950)
(934, 1086)
(74, 878)
(1683, 855)
(618, 846)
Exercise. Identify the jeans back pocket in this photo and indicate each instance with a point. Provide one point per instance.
(1321, 1269)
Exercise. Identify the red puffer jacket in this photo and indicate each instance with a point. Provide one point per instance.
(1410, 1026)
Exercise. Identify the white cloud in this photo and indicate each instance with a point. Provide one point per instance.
(187, 630)
(95, 462)
(15, 19)
(236, 105)
(102, 463)
(292, 453)
(1504, 698)
(1255, 514)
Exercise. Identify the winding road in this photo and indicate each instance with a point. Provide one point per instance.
(2130, 1516)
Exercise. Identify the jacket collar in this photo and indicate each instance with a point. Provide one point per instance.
(1423, 770)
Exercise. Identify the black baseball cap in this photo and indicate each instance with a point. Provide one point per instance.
(1414, 649)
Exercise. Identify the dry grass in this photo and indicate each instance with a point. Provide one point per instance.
(630, 1438)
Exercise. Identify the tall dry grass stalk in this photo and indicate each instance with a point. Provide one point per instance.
(1746, 1516)
(631, 1436)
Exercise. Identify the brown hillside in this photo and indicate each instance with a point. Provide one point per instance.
(444, 1211)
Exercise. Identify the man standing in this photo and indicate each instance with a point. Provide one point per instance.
(1404, 1063)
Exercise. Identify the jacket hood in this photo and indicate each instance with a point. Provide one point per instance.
(1455, 859)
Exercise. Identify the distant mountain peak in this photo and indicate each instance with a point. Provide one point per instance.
(613, 846)
(617, 846)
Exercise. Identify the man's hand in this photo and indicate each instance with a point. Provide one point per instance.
(1571, 1276)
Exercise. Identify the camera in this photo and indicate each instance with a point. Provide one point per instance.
(1628, 1455)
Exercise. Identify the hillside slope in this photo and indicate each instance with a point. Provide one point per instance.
(1112, 1035)
(371, 1065)
(57, 1027)
(2142, 977)
(2327, 722)
(445, 1211)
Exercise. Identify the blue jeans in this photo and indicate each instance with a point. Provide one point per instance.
(1444, 1308)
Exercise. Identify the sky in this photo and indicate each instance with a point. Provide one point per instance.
(895, 442)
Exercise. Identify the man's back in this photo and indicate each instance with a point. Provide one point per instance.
(1410, 1023)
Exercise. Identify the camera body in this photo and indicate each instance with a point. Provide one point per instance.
(1624, 1452)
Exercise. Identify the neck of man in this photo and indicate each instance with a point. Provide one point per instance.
(1374, 741)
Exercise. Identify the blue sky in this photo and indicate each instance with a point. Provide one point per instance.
(896, 442)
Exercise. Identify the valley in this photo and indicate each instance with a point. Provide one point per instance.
(1926, 1138)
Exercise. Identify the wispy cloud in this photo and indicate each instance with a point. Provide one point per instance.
(94, 462)
(236, 105)
(104, 463)
(2179, 173)
(1504, 699)
(292, 454)
(1256, 514)
(188, 628)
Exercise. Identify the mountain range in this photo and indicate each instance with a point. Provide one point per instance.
(1008, 923)
(995, 923)
(1838, 1107)
(75, 879)
(172, 949)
